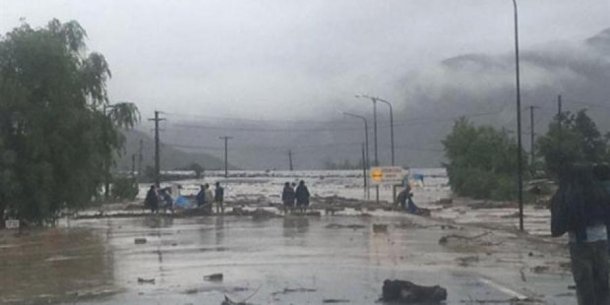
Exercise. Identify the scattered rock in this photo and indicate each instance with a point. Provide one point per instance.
(146, 281)
(405, 292)
(215, 277)
(140, 241)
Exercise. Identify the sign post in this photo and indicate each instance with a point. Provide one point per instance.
(387, 175)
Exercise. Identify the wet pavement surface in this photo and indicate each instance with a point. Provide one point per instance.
(276, 260)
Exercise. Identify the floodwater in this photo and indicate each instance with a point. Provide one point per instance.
(283, 260)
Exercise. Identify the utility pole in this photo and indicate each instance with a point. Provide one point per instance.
(559, 109)
(364, 170)
(157, 119)
(560, 140)
(375, 134)
(140, 157)
(226, 139)
(366, 142)
(518, 100)
(533, 135)
(290, 160)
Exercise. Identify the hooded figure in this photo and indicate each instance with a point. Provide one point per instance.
(152, 199)
(302, 194)
(288, 196)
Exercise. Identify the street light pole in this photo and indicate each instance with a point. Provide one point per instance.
(226, 140)
(391, 125)
(366, 142)
(518, 97)
(391, 140)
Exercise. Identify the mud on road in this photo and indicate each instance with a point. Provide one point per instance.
(277, 260)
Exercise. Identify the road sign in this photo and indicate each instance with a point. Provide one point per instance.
(387, 175)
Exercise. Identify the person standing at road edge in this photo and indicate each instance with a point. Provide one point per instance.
(219, 198)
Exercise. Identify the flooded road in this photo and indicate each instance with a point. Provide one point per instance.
(283, 260)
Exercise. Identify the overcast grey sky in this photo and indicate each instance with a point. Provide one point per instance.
(296, 59)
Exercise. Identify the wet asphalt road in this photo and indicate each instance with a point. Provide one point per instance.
(285, 260)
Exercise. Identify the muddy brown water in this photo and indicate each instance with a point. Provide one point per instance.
(290, 260)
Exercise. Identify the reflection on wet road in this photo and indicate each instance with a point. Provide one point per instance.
(289, 260)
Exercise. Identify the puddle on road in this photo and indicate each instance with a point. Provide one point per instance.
(294, 259)
(54, 264)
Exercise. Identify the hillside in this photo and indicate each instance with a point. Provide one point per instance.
(171, 158)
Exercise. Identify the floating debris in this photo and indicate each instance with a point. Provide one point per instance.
(216, 277)
(405, 292)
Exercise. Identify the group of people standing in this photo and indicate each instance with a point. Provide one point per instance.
(157, 198)
(206, 199)
(295, 198)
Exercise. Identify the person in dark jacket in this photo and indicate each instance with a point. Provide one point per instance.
(581, 208)
(152, 199)
(219, 196)
(405, 199)
(288, 197)
(167, 200)
(200, 198)
(302, 196)
(602, 174)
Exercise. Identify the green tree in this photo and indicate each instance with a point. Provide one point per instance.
(123, 115)
(55, 138)
(576, 140)
(482, 161)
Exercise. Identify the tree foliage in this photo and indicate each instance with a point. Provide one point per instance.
(55, 137)
(572, 138)
(482, 162)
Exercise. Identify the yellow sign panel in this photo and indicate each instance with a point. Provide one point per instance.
(387, 175)
(377, 174)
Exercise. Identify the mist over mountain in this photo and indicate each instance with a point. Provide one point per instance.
(171, 158)
(479, 86)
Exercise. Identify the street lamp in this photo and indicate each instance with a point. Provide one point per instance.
(375, 100)
(518, 98)
(391, 120)
(366, 144)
